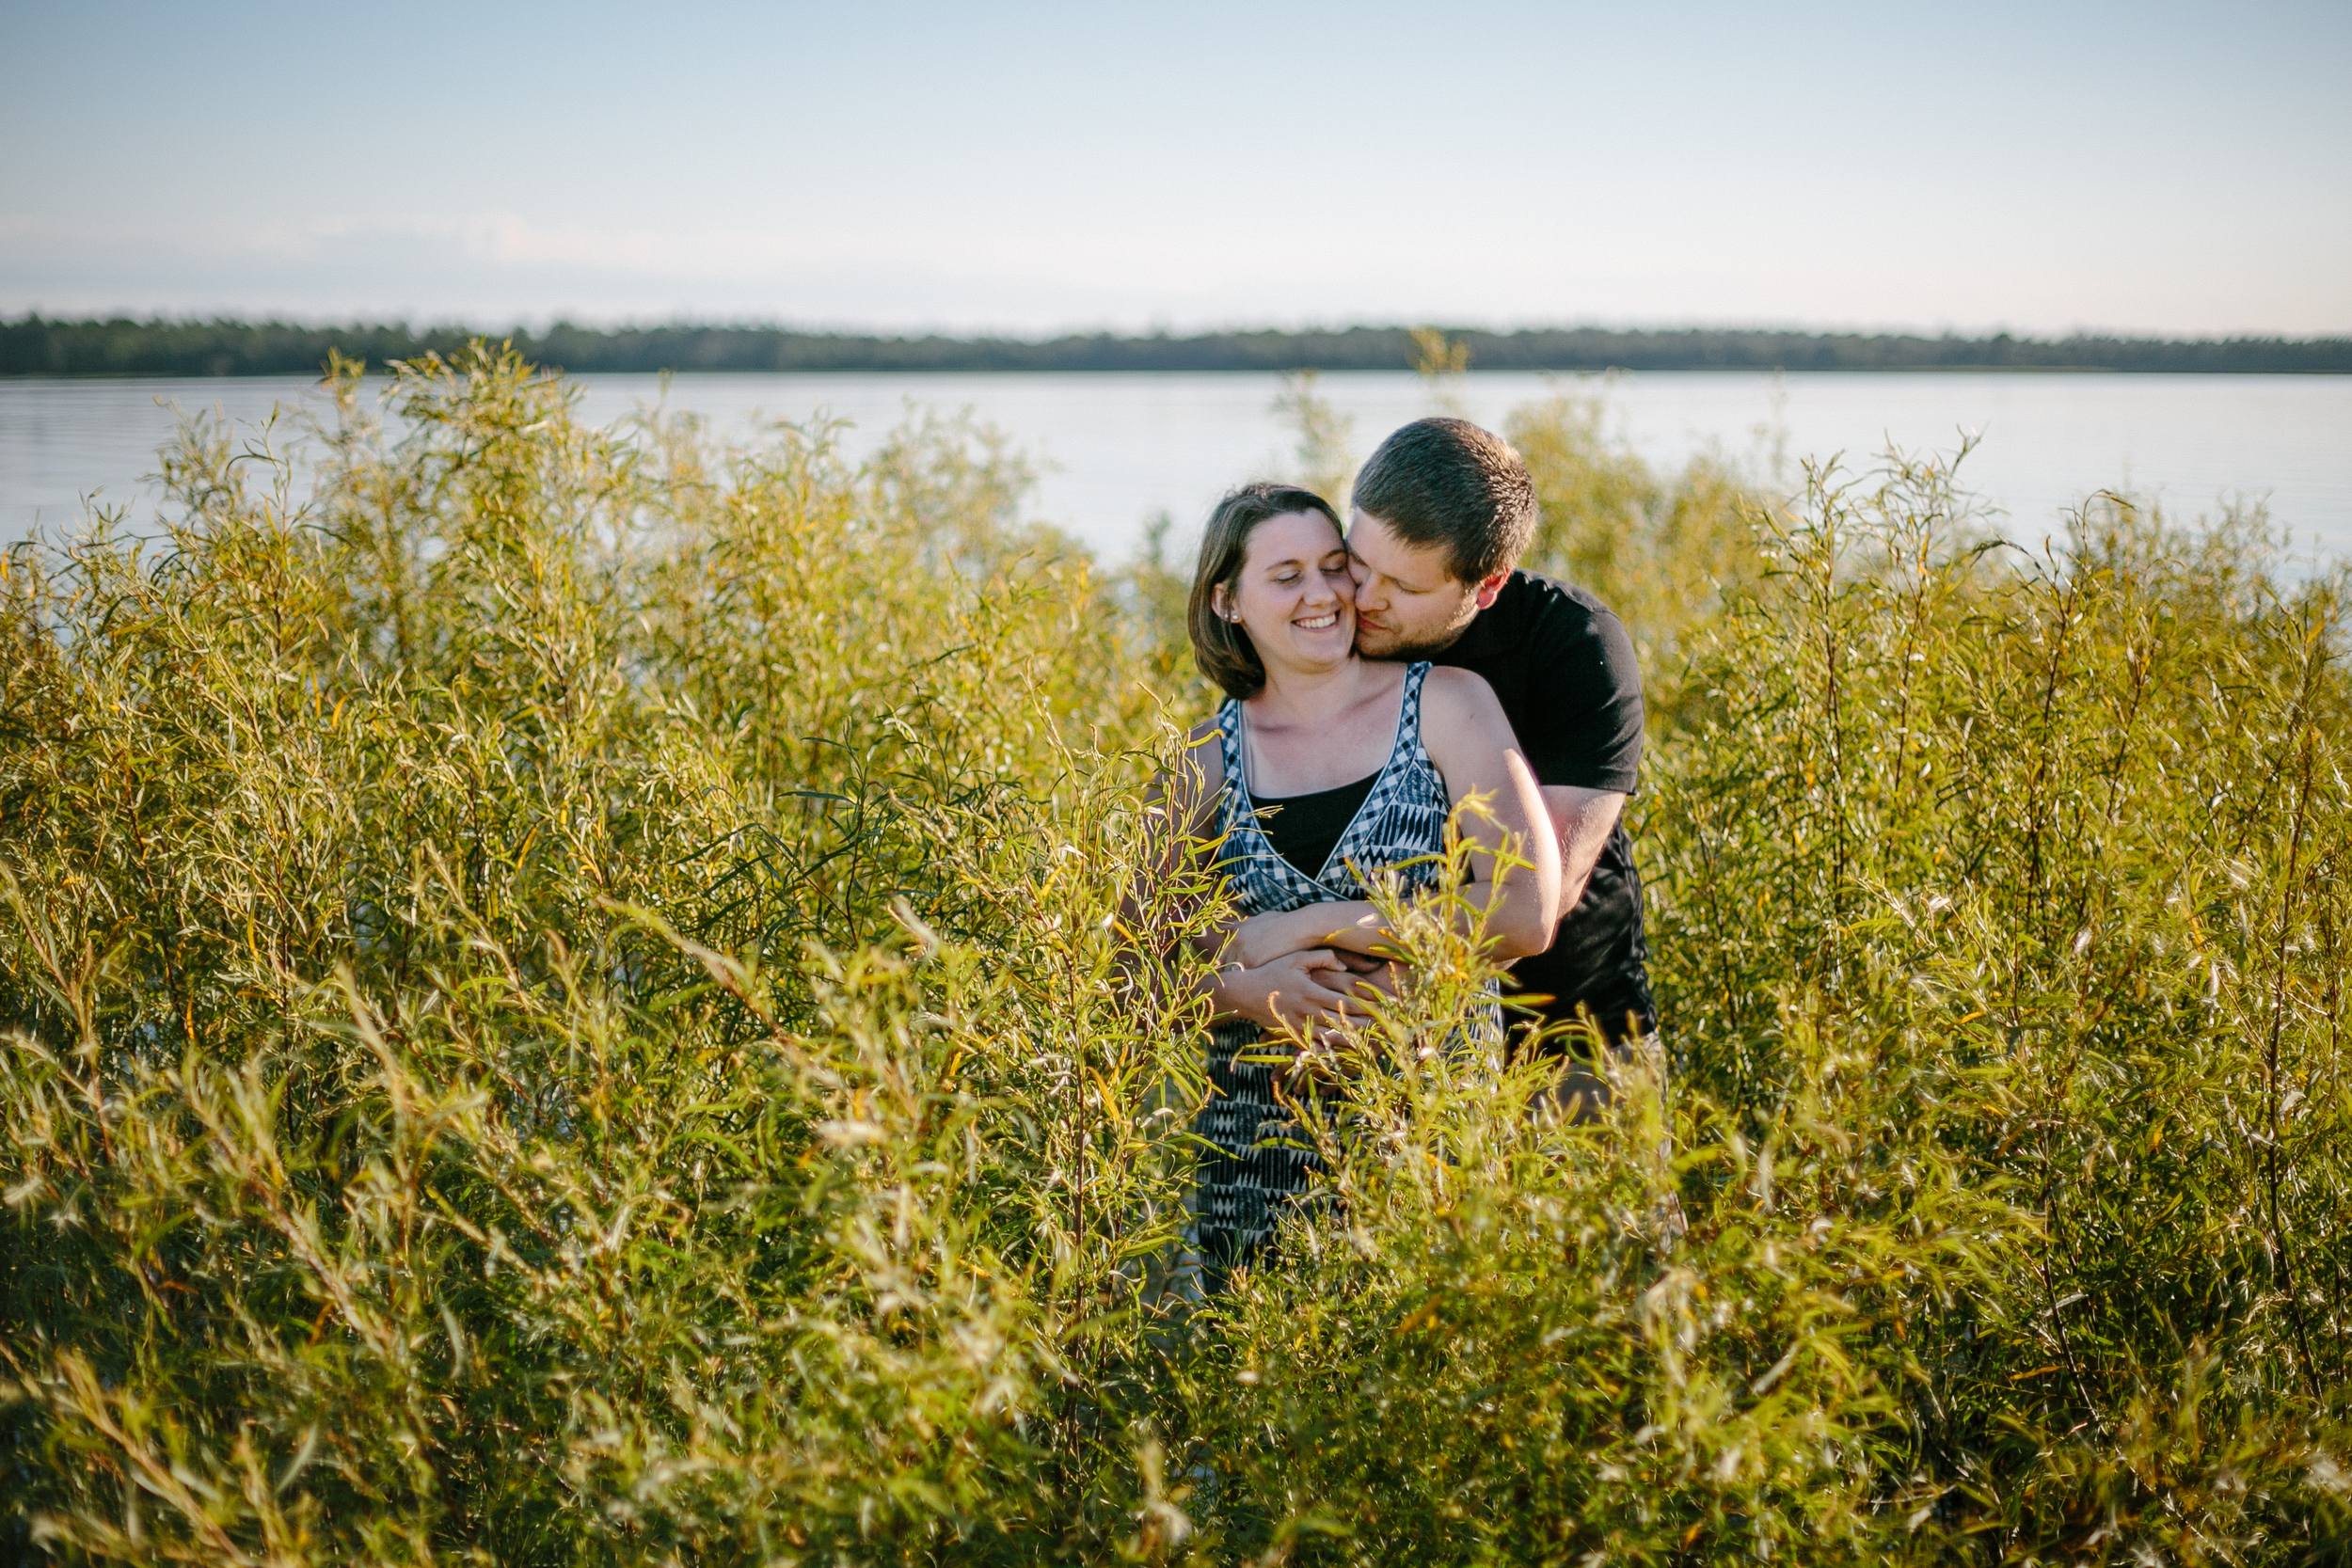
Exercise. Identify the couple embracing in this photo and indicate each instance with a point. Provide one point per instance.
(1377, 674)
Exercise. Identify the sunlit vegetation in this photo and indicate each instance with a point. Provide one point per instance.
(565, 1001)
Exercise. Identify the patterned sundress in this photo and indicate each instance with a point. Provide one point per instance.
(1255, 1159)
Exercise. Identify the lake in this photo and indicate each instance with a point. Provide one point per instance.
(1117, 450)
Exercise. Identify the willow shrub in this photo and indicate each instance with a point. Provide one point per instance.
(568, 1003)
(2035, 867)
(558, 1003)
(1663, 550)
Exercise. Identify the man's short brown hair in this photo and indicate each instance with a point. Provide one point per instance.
(1446, 481)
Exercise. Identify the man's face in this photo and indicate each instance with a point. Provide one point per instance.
(1407, 599)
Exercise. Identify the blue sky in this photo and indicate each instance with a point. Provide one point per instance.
(2037, 167)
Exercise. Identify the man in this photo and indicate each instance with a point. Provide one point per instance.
(1441, 515)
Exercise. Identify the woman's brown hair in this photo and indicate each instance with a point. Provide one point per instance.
(1219, 646)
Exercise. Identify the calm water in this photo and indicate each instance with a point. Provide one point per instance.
(1118, 448)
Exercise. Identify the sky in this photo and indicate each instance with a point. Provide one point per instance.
(2038, 168)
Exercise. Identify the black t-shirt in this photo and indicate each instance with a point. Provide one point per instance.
(1563, 668)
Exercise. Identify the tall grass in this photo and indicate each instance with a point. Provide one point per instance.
(1666, 551)
(568, 1003)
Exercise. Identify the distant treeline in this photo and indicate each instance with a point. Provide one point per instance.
(34, 346)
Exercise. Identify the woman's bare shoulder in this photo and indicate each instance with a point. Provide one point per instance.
(1197, 771)
(1451, 692)
(1448, 678)
(1202, 753)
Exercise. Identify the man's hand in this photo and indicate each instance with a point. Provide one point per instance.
(1371, 974)
(1336, 927)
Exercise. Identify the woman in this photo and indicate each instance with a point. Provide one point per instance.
(1322, 771)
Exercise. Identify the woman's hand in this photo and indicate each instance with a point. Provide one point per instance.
(1309, 991)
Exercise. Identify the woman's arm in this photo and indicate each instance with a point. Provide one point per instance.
(1464, 730)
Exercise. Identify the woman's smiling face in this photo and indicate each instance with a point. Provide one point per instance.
(1295, 596)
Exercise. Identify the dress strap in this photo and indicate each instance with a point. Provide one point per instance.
(1229, 741)
(1408, 746)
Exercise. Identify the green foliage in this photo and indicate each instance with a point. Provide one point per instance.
(1662, 552)
(2042, 862)
(1325, 460)
(388, 1179)
(586, 999)
(1441, 363)
(1504, 1341)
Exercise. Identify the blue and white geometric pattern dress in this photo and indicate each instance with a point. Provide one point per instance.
(1254, 1161)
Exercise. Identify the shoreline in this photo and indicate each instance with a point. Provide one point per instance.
(33, 348)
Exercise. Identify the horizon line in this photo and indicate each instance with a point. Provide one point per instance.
(539, 326)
